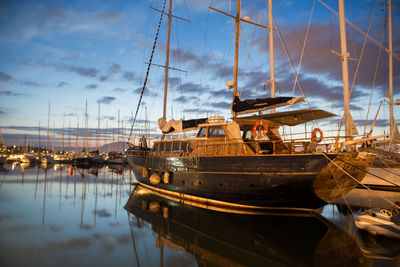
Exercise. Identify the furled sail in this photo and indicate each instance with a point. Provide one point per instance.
(176, 126)
(260, 104)
(290, 118)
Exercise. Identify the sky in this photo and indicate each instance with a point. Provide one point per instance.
(62, 54)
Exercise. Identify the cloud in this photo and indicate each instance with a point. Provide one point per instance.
(31, 84)
(3, 111)
(183, 99)
(11, 93)
(62, 84)
(173, 81)
(113, 69)
(119, 90)
(129, 76)
(91, 86)
(221, 105)
(62, 67)
(190, 88)
(111, 118)
(198, 111)
(147, 92)
(4, 77)
(23, 22)
(107, 99)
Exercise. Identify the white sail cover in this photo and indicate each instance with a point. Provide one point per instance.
(170, 126)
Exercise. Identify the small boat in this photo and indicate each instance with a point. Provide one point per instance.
(115, 157)
(381, 221)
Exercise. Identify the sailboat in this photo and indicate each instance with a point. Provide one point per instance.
(244, 163)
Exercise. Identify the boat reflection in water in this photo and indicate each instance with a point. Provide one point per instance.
(232, 239)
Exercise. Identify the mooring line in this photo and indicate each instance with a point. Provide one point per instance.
(394, 204)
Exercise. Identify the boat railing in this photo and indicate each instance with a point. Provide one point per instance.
(235, 148)
(238, 147)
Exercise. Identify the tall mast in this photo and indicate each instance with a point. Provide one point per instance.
(39, 140)
(86, 129)
(235, 68)
(48, 129)
(62, 138)
(98, 128)
(345, 70)
(167, 60)
(77, 135)
(118, 133)
(271, 49)
(392, 123)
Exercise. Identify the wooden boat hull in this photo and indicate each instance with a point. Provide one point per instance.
(283, 181)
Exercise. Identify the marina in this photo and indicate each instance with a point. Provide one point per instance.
(247, 147)
(63, 215)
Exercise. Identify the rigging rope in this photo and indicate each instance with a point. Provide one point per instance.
(304, 46)
(348, 174)
(148, 71)
(373, 86)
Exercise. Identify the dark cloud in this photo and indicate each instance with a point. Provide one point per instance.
(190, 88)
(221, 105)
(107, 99)
(222, 93)
(119, 90)
(173, 81)
(378, 123)
(31, 84)
(113, 69)
(198, 111)
(111, 118)
(91, 86)
(183, 99)
(4, 77)
(62, 84)
(147, 92)
(2, 111)
(63, 67)
(11, 93)
(129, 76)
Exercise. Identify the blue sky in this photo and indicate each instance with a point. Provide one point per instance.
(67, 52)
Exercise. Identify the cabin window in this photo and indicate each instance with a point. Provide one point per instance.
(216, 131)
(168, 147)
(155, 147)
(202, 132)
(175, 146)
(161, 146)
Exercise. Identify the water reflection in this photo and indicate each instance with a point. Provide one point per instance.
(62, 215)
(224, 239)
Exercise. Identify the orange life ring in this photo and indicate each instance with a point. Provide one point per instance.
(261, 132)
(314, 135)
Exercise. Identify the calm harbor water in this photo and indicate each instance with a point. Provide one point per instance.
(67, 216)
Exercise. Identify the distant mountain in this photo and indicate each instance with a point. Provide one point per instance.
(113, 147)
